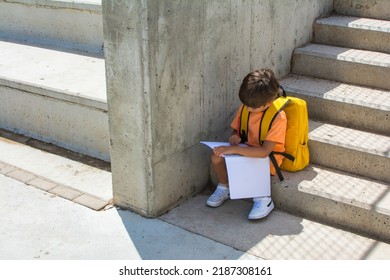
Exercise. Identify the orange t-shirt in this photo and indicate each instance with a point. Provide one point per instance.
(276, 134)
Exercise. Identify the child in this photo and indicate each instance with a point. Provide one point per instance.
(258, 90)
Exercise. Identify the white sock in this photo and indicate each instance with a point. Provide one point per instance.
(259, 198)
(226, 186)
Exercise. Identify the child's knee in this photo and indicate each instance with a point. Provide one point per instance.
(216, 160)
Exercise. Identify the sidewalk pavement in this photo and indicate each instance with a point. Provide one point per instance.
(39, 223)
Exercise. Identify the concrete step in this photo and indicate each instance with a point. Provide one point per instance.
(353, 32)
(342, 104)
(55, 96)
(82, 180)
(346, 65)
(378, 9)
(362, 153)
(64, 24)
(336, 198)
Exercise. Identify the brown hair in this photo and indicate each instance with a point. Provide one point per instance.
(258, 88)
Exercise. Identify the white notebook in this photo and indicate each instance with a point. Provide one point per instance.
(248, 177)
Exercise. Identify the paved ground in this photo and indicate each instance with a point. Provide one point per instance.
(39, 223)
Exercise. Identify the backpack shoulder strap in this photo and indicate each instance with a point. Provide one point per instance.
(243, 126)
(277, 168)
(266, 122)
(270, 115)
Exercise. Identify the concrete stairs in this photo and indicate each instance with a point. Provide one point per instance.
(52, 76)
(344, 77)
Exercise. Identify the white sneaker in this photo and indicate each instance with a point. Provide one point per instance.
(220, 195)
(261, 208)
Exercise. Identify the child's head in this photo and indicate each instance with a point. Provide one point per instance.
(259, 88)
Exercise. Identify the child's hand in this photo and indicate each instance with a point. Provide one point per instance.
(224, 150)
(234, 140)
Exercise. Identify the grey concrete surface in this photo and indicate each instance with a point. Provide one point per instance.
(74, 77)
(55, 96)
(174, 70)
(350, 150)
(354, 66)
(353, 32)
(345, 105)
(279, 236)
(337, 198)
(378, 9)
(56, 169)
(45, 221)
(349, 131)
(73, 25)
(345, 65)
(37, 225)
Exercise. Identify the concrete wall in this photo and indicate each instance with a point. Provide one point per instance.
(173, 71)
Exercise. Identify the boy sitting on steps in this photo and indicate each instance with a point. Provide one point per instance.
(258, 90)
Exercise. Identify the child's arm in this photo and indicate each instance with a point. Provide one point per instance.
(257, 152)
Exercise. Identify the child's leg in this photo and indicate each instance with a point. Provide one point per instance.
(221, 193)
(219, 166)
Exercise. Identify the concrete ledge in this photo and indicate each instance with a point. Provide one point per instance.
(73, 24)
(358, 33)
(52, 187)
(91, 202)
(6, 168)
(87, 5)
(56, 97)
(350, 150)
(42, 184)
(48, 171)
(58, 94)
(378, 9)
(342, 104)
(336, 198)
(344, 65)
(68, 125)
(21, 175)
(58, 74)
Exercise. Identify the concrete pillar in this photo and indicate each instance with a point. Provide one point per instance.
(173, 71)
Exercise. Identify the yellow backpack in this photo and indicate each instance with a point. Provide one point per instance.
(297, 133)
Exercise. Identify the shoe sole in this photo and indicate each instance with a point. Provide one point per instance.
(270, 208)
(215, 205)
